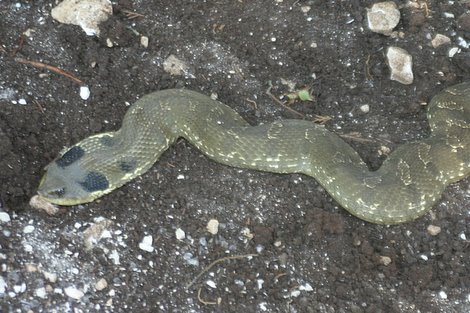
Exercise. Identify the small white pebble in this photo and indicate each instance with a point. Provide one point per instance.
(101, 284)
(84, 92)
(453, 51)
(28, 229)
(180, 176)
(41, 292)
(19, 288)
(462, 236)
(144, 41)
(74, 293)
(260, 283)
(3, 285)
(306, 287)
(433, 230)
(52, 277)
(365, 108)
(22, 101)
(424, 257)
(385, 260)
(213, 226)
(305, 8)
(295, 293)
(28, 248)
(211, 284)
(31, 268)
(4, 217)
(180, 234)
(146, 243)
(440, 40)
(114, 255)
(263, 306)
(442, 295)
(448, 15)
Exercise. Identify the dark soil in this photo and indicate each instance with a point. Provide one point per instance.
(312, 256)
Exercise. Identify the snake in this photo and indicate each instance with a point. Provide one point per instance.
(406, 186)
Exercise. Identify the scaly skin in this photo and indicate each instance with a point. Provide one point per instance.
(405, 187)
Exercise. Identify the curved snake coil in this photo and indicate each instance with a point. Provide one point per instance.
(405, 187)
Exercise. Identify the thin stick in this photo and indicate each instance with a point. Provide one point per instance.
(50, 68)
(233, 257)
(131, 15)
(204, 301)
(268, 92)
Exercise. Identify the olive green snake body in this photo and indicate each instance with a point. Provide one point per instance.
(405, 187)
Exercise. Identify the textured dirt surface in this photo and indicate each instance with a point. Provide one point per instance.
(309, 255)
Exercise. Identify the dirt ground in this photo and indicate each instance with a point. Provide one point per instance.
(306, 254)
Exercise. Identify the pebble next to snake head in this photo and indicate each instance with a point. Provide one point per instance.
(67, 183)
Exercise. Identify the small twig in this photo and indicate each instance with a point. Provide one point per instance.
(268, 92)
(321, 119)
(368, 75)
(252, 102)
(426, 9)
(276, 278)
(204, 301)
(131, 15)
(233, 257)
(20, 46)
(39, 106)
(50, 68)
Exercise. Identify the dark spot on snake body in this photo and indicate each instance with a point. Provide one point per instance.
(128, 165)
(107, 141)
(95, 181)
(69, 157)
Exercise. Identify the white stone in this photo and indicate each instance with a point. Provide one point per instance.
(101, 284)
(22, 101)
(174, 66)
(364, 108)
(144, 41)
(442, 295)
(4, 217)
(400, 63)
(385, 260)
(213, 226)
(3, 285)
(306, 287)
(382, 17)
(453, 51)
(180, 234)
(146, 243)
(211, 284)
(434, 230)
(28, 229)
(114, 255)
(85, 13)
(439, 40)
(52, 277)
(41, 293)
(84, 92)
(74, 293)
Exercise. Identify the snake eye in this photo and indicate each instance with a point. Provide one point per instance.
(59, 193)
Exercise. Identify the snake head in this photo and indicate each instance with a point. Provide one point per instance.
(66, 182)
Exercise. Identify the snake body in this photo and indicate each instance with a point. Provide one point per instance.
(405, 187)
